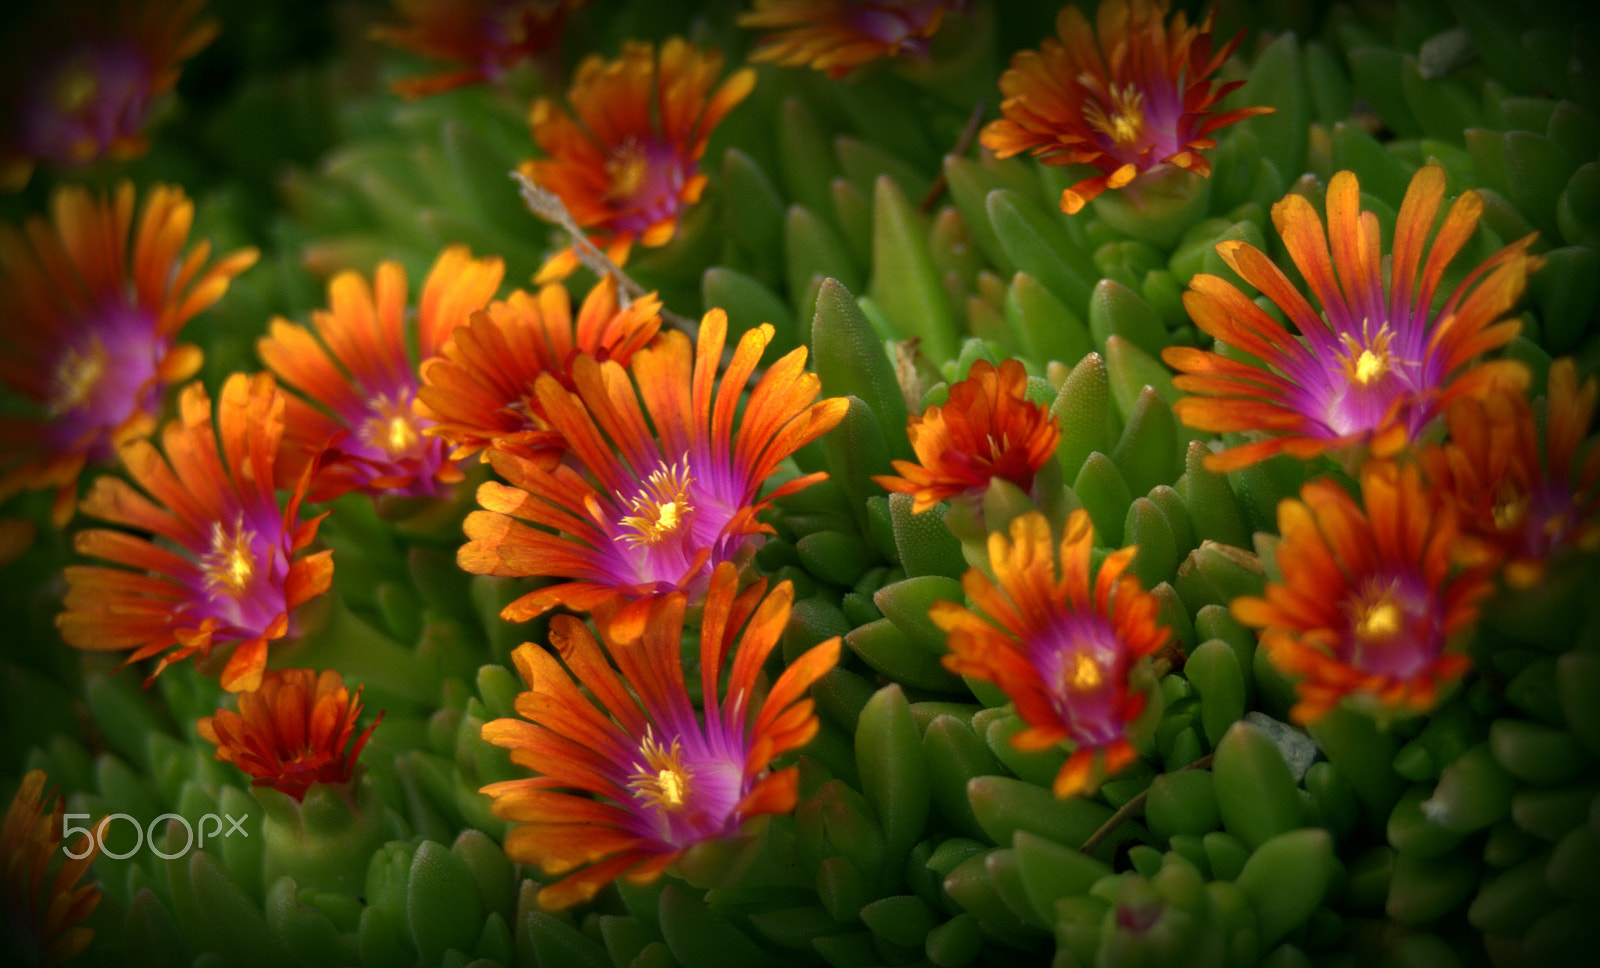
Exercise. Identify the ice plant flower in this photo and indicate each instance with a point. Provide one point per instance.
(660, 510)
(90, 310)
(1524, 501)
(1377, 365)
(987, 429)
(839, 36)
(1070, 656)
(485, 38)
(295, 729)
(44, 920)
(627, 165)
(359, 372)
(225, 568)
(1370, 602)
(86, 80)
(478, 390)
(1133, 102)
(630, 775)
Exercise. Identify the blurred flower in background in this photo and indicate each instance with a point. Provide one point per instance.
(43, 915)
(838, 36)
(625, 163)
(80, 81)
(485, 38)
(90, 310)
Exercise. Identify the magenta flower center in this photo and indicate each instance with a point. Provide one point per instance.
(98, 381)
(1392, 626)
(646, 181)
(685, 794)
(1082, 662)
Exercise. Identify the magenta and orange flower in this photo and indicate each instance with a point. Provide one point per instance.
(44, 915)
(1377, 365)
(359, 375)
(1068, 650)
(630, 775)
(222, 565)
(1371, 605)
(1519, 490)
(83, 80)
(838, 36)
(484, 38)
(668, 490)
(90, 309)
(988, 429)
(478, 389)
(297, 728)
(1137, 100)
(625, 163)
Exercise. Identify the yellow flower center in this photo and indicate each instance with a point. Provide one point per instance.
(76, 375)
(1369, 358)
(626, 170)
(1084, 675)
(661, 779)
(76, 87)
(662, 508)
(1124, 123)
(393, 428)
(1379, 620)
(230, 564)
(1510, 510)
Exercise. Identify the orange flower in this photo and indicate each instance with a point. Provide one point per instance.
(225, 570)
(627, 166)
(293, 730)
(1134, 102)
(48, 920)
(83, 79)
(1376, 366)
(1523, 501)
(665, 506)
(1071, 658)
(1369, 605)
(88, 329)
(486, 37)
(988, 428)
(630, 774)
(479, 388)
(361, 372)
(838, 36)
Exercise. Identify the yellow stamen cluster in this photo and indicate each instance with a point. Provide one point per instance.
(661, 779)
(1085, 674)
(76, 87)
(394, 428)
(1368, 358)
(625, 170)
(76, 375)
(230, 564)
(1376, 614)
(1125, 122)
(661, 508)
